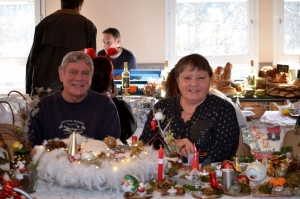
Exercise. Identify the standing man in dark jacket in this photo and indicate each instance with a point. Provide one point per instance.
(56, 35)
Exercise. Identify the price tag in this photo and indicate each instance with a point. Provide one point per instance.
(283, 68)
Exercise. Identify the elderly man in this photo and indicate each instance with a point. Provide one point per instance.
(75, 107)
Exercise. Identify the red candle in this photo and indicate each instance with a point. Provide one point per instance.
(195, 162)
(133, 139)
(160, 164)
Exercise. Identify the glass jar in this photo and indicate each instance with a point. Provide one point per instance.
(29, 181)
(261, 80)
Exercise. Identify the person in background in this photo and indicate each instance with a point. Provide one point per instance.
(111, 38)
(196, 115)
(75, 107)
(101, 83)
(61, 32)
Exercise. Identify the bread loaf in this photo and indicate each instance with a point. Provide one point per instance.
(222, 77)
(226, 75)
(284, 91)
(296, 83)
(228, 91)
(219, 70)
(273, 75)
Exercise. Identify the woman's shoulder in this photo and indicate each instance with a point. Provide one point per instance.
(167, 102)
(218, 100)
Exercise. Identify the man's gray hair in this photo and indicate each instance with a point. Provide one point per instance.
(75, 57)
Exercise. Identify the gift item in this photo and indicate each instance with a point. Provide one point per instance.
(227, 178)
(257, 171)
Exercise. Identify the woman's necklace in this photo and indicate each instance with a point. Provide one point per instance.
(183, 109)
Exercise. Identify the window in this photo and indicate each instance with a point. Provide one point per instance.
(17, 22)
(222, 31)
(286, 33)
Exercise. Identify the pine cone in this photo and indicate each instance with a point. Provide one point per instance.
(293, 166)
(208, 191)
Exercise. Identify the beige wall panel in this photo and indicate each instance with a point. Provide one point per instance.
(141, 23)
(265, 30)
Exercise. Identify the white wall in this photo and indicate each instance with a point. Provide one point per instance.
(142, 25)
(140, 22)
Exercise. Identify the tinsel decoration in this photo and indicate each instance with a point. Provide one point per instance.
(276, 162)
(137, 147)
(55, 144)
(8, 190)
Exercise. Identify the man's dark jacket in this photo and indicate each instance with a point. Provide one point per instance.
(56, 35)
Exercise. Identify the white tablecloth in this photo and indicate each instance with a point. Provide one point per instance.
(266, 134)
(54, 192)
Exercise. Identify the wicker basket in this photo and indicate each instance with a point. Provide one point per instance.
(258, 112)
(255, 108)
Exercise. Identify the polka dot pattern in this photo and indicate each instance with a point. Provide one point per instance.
(213, 126)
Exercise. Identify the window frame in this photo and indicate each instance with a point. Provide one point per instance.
(170, 18)
(293, 60)
(39, 9)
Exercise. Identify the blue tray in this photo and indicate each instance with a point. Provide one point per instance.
(139, 74)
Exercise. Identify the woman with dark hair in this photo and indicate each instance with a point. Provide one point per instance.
(196, 115)
(102, 82)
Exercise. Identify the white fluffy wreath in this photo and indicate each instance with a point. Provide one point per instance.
(55, 167)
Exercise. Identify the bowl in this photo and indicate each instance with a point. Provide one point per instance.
(249, 115)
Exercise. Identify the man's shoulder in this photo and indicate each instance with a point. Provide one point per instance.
(99, 97)
(101, 53)
(127, 52)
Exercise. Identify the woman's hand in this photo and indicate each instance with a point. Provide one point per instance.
(112, 95)
(185, 147)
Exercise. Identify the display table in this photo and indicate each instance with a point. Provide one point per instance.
(54, 192)
(266, 133)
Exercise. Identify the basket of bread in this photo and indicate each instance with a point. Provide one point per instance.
(221, 80)
(279, 83)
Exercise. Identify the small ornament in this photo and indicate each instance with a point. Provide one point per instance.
(235, 189)
(158, 115)
(236, 164)
(111, 142)
(281, 172)
(130, 183)
(243, 179)
(141, 187)
(73, 148)
(213, 182)
(55, 144)
(137, 148)
(153, 125)
(227, 164)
